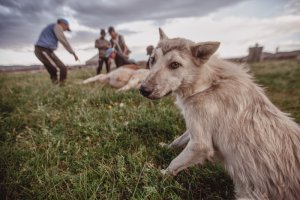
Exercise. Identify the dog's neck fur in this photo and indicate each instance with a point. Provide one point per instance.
(205, 78)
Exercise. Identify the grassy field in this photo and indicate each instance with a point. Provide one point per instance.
(88, 142)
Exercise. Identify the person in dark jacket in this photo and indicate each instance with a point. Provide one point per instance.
(102, 44)
(47, 43)
(119, 58)
(118, 42)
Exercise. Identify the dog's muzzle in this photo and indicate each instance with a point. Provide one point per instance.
(145, 91)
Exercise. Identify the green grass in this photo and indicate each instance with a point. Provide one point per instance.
(281, 79)
(88, 142)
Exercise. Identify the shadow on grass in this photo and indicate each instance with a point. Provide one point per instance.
(209, 181)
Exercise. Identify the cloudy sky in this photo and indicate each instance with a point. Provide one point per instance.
(237, 24)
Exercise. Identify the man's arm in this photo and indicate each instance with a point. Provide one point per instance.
(122, 41)
(102, 44)
(107, 44)
(62, 39)
(97, 44)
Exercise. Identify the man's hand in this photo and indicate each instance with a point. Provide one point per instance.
(75, 56)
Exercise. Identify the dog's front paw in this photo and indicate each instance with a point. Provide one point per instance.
(162, 144)
(168, 172)
(165, 172)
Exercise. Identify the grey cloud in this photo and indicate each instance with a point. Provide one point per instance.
(83, 37)
(22, 20)
(93, 14)
(126, 32)
(292, 7)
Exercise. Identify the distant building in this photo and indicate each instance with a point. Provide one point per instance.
(256, 54)
(93, 60)
(19, 68)
(281, 55)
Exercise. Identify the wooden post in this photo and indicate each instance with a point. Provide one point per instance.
(255, 53)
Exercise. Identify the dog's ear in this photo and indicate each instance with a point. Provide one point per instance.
(162, 35)
(203, 50)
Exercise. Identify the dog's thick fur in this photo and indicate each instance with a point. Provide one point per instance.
(123, 78)
(228, 115)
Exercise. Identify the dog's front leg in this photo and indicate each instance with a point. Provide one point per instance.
(102, 78)
(194, 153)
(180, 141)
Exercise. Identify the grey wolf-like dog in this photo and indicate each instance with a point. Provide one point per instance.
(227, 114)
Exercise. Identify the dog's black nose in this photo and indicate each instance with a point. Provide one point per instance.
(145, 91)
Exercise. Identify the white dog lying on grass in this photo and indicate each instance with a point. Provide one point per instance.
(228, 115)
(123, 78)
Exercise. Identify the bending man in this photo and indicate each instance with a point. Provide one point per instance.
(47, 43)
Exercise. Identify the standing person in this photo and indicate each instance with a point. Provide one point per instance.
(149, 51)
(119, 59)
(102, 44)
(47, 43)
(118, 43)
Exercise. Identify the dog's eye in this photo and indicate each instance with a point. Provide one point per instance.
(174, 65)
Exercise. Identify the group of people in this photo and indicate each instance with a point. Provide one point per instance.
(114, 49)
